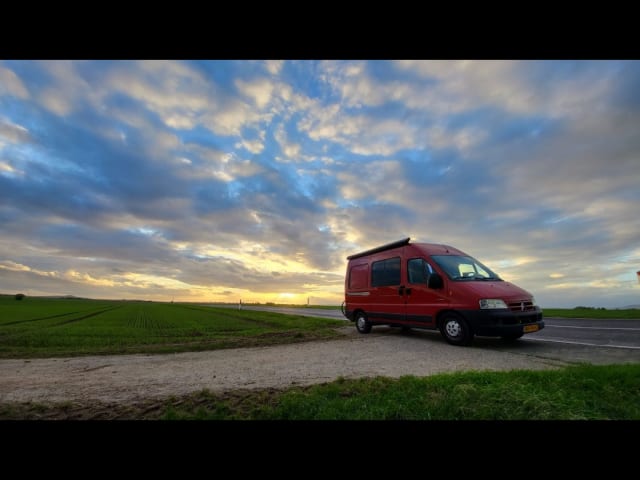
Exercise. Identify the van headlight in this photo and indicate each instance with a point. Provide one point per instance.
(533, 302)
(490, 303)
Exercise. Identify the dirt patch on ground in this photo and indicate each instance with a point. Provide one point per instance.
(153, 409)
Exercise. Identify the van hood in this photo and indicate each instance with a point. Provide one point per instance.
(503, 290)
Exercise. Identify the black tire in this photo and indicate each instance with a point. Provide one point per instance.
(512, 338)
(456, 330)
(362, 324)
(405, 329)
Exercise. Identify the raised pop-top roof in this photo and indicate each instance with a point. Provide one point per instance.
(430, 248)
(381, 248)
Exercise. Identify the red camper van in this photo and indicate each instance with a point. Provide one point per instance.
(433, 286)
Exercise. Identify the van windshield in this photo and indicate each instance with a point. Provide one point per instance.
(458, 267)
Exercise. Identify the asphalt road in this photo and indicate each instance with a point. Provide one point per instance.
(572, 340)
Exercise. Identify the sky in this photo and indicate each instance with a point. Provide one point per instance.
(221, 181)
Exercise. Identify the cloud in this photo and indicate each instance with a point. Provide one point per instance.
(291, 150)
(254, 146)
(361, 134)
(179, 94)
(554, 88)
(65, 89)
(258, 90)
(7, 169)
(13, 266)
(274, 67)
(467, 84)
(156, 84)
(10, 84)
(383, 116)
(13, 133)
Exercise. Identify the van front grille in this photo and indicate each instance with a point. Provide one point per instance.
(522, 306)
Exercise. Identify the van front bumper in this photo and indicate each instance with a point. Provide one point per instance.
(502, 322)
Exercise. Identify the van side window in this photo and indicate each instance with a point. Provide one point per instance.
(385, 272)
(417, 269)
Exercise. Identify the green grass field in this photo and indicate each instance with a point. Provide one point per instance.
(40, 327)
(632, 313)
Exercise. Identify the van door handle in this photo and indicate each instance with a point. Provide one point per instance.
(401, 290)
(408, 291)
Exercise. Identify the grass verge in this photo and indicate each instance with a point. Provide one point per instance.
(583, 392)
(631, 313)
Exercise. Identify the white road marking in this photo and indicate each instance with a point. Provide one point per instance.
(583, 343)
(593, 328)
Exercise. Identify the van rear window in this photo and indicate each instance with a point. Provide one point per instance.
(385, 272)
(358, 277)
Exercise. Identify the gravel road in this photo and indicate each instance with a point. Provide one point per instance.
(130, 378)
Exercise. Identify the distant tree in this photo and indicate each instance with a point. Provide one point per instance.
(20, 296)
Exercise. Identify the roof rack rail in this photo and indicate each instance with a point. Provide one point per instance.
(381, 248)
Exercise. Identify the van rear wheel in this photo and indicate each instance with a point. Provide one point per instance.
(456, 330)
(362, 324)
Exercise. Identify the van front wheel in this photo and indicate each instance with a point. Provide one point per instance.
(455, 330)
(362, 324)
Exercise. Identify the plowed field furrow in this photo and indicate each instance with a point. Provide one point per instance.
(89, 315)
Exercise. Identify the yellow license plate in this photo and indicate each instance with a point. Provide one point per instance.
(530, 328)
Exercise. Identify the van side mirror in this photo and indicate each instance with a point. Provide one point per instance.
(435, 281)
